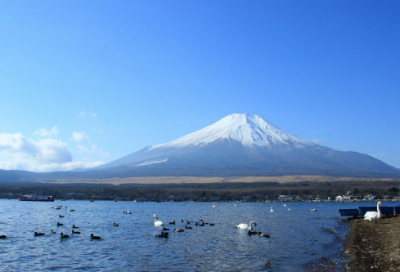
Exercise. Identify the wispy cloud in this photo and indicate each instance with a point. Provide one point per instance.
(79, 136)
(84, 149)
(93, 150)
(42, 132)
(84, 114)
(18, 152)
(318, 141)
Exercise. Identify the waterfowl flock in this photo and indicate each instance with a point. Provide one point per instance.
(200, 223)
(59, 224)
(157, 223)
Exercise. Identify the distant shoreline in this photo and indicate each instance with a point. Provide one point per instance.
(205, 180)
(178, 189)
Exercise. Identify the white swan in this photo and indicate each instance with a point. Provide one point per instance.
(374, 215)
(251, 225)
(272, 210)
(248, 227)
(157, 223)
(242, 226)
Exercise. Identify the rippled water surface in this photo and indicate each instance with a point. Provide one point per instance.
(301, 240)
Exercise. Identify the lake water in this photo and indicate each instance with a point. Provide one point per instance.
(301, 240)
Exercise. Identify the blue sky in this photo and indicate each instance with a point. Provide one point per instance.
(87, 82)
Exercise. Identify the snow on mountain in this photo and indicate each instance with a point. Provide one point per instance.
(248, 129)
(152, 162)
(236, 145)
(243, 144)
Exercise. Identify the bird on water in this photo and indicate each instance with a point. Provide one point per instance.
(374, 215)
(95, 237)
(64, 235)
(248, 227)
(157, 223)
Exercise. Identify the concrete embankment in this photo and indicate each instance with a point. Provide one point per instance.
(373, 246)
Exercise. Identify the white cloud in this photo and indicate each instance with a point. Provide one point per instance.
(318, 141)
(46, 133)
(67, 166)
(20, 153)
(79, 136)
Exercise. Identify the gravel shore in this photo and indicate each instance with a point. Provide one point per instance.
(373, 246)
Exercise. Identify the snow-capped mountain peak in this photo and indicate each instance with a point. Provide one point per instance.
(243, 145)
(248, 129)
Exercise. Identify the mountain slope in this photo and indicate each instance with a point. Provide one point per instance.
(244, 144)
(248, 129)
(237, 145)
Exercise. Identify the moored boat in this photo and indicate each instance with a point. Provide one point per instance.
(36, 198)
(384, 209)
(349, 212)
(387, 210)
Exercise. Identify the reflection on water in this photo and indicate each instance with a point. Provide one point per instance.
(300, 240)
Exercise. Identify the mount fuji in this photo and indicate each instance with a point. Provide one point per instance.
(243, 145)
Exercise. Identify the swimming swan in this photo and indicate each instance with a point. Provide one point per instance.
(157, 223)
(248, 227)
(374, 215)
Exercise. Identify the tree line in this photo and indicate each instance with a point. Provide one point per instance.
(259, 191)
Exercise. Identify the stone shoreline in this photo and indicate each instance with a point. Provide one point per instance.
(373, 246)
